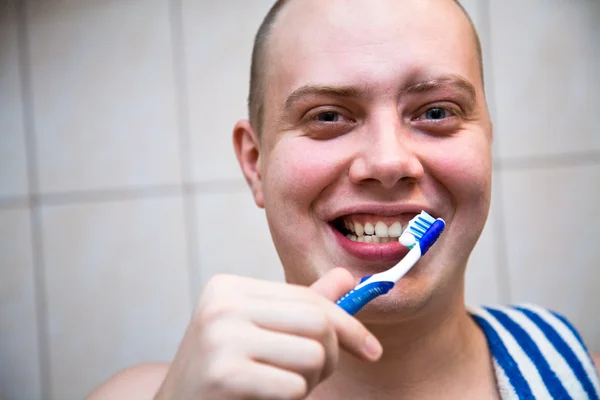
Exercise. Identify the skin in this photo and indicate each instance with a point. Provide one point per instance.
(378, 110)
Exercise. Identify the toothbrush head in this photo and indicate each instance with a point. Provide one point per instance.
(422, 229)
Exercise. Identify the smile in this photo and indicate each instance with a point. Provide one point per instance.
(372, 237)
(364, 228)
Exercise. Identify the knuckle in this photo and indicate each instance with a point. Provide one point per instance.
(218, 283)
(215, 310)
(315, 355)
(296, 389)
(212, 339)
(218, 288)
(218, 374)
(223, 335)
(321, 325)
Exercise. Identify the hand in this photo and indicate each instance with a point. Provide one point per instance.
(253, 339)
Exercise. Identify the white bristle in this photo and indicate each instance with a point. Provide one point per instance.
(427, 217)
(412, 233)
(407, 240)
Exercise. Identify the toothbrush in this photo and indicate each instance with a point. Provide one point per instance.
(420, 234)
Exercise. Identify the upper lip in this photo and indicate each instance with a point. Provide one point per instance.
(384, 210)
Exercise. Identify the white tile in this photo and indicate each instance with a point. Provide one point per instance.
(553, 224)
(117, 285)
(234, 238)
(19, 353)
(483, 279)
(104, 94)
(475, 10)
(218, 39)
(13, 169)
(546, 58)
(478, 12)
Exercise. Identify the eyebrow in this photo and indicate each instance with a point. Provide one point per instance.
(323, 90)
(418, 86)
(455, 81)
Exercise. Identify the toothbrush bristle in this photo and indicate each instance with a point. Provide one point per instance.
(419, 225)
(422, 229)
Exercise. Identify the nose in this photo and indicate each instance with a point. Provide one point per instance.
(387, 155)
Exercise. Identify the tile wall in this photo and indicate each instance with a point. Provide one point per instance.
(119, 189)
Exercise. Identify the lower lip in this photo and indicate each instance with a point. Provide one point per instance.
(391, 251)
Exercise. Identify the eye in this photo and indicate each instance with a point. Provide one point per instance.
(437, 113)
(439, 119)
(328, 122)
(327, 116)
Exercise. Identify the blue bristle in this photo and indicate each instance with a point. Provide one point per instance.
(420, 225)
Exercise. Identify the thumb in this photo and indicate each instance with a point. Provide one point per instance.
(334, 284)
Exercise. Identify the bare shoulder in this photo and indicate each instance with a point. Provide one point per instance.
(138, 382)
(596, 358)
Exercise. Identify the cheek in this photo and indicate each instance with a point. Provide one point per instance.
(298, 169)
(464, 168)
(296, 173)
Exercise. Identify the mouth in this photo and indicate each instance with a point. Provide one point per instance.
(371, 237)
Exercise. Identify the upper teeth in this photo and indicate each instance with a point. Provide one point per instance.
(380, 229)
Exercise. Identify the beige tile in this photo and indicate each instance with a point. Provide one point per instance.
(19, 353)
(228, 221)
(13, 169)
(218, 39)
(118, 290)
(105, 113)
(546, 58)
(553, 225)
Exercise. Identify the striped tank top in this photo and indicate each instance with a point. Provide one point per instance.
(537, 354)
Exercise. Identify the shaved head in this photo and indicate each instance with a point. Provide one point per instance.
(259, 61)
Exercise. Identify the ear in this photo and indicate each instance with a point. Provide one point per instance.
(247, 151)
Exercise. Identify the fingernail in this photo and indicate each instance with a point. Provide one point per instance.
(373, 348)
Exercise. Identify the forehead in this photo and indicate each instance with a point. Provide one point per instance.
(376, 43)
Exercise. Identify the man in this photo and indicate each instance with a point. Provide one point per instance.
(362, 114)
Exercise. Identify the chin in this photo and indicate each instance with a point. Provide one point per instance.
(423, 291)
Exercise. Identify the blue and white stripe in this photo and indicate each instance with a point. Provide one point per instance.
(537, 354)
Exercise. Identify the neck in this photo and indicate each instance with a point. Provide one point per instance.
(437, 352)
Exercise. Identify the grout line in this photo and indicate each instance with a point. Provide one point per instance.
(238, 185)
(12, 202)
(222, 186)
(36, 217)
(501, 252)
(108, 195)
(190, 213)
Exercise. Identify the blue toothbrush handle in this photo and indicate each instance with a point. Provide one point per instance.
(356, 299)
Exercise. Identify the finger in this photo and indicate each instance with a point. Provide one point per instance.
(352, 335)
(339, 280)
(255, 380)
(334, 284)
(303, 318)
(297, 315)
(298, 354)
(300, 319)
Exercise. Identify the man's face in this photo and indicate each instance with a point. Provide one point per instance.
(374, 111)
